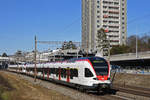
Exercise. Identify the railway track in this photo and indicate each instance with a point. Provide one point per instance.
(76, 94)
(133, 90)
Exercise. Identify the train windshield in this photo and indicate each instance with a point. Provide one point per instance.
(100, 66)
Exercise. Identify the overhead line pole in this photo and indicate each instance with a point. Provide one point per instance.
(136, 43)
(35, 61)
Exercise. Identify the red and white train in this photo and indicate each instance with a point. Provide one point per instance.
(88, 73)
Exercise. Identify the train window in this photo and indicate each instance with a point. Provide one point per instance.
(71, 73)
(62, 72)
(27, 69)
(88, 73)
(31, 69)
(65, 73)
(52, 70)
(57, 71)
(75, 72)
(45, 71)
(49, 71)
(100, 66)
(42, 70)
(38, 70)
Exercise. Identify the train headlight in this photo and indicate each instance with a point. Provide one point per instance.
(96, 78)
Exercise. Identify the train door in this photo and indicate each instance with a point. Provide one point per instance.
(81, 74)
(68, 74)
(48, 73)
(59, 71)
(43, 72)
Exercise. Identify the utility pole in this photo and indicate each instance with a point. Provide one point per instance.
(18, 65)
(35, 51)
(136, 45)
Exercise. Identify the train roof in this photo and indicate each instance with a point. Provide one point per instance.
(83, 58)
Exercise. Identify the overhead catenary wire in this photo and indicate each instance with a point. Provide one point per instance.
(138, 18)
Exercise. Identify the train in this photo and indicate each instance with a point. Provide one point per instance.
(86, 73)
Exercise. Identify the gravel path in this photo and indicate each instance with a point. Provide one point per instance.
(73, 93)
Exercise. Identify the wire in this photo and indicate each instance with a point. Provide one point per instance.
(71, 24)
(138, 18)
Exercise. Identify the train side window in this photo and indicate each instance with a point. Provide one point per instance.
(71, 73)
(45, 71)
(88, 73)
(31, 69)
(62, 74)
(75, 72)
(38, 69)
(51, 71)
(57, 71)
(65, 73)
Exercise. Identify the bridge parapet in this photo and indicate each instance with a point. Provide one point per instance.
(130, 56)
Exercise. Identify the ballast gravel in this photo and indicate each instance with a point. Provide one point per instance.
(67, 91)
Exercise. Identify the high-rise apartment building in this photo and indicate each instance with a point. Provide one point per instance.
(111, 15)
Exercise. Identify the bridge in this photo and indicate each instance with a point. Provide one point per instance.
(131, 59)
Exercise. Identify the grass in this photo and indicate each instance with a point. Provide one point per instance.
(133, 80)
(13, 87)
(5, 96)
(5, 88)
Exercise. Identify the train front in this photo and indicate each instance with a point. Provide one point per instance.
(102, 72)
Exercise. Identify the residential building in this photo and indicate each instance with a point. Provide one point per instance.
(111, 15)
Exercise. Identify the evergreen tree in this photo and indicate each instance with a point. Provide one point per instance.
(4, 55)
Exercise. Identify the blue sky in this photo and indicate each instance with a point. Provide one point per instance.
(54, 20)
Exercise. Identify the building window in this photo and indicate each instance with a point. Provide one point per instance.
(110, 2)
(105, 26)
(105, 7)
(123, 37)
(105, 21)
(105, 16)
(116, 3)
(113, 26)
(113, 21)
(104, 11)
